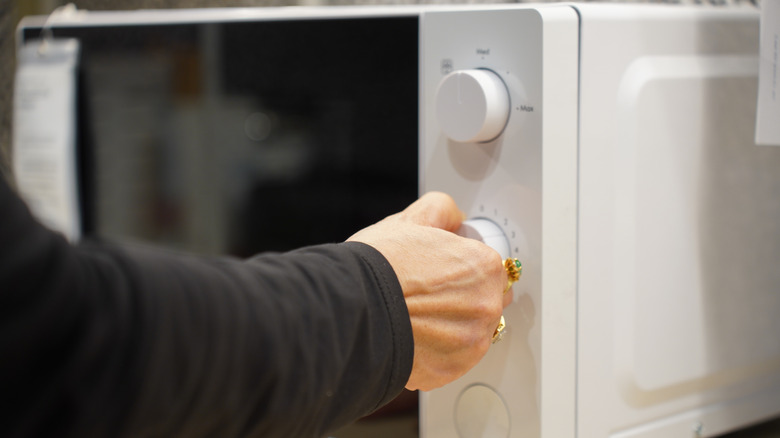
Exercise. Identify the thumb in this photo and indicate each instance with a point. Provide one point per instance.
(435, 209)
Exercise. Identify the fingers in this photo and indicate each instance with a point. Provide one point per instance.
(453, 286)
(508, 297)
(435, 209)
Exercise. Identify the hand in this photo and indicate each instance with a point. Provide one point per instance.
(453, 287)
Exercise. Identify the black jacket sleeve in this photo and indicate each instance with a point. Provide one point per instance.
(100, 340)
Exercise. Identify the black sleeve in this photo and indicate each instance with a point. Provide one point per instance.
(97, 340)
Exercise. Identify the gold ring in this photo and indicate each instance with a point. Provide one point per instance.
(499, 332)
(514, 269)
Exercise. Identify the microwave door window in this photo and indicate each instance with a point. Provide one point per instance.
(245, 137)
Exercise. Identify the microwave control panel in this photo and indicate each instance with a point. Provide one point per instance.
(484, 104)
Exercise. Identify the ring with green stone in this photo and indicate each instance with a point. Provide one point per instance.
(514, 269)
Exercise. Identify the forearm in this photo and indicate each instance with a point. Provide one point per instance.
(106, 341)
(310, 340)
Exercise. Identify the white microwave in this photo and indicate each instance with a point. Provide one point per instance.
(608, 147)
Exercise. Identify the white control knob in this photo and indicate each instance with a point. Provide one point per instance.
(472, 105)
(487, 232)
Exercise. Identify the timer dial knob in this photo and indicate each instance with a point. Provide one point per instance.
(487, 232)
(472, 105)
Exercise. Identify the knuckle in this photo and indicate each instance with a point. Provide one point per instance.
(469, 339)
(486, 256)
(489, 308)
(478, 350)
(498, 307)
(480, 311)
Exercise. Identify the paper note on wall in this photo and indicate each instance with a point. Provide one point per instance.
(44, 131)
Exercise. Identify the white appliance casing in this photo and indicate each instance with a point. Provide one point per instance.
(646, 219)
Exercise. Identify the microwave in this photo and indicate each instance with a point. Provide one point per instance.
(609, 147)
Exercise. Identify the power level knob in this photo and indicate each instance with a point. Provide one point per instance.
(472, 105)
(488, 232)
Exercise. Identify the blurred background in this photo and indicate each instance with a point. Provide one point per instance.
(399, 420)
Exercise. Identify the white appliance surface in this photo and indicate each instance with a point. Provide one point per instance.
(504, 181)
(645, 217)
(678, 227)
